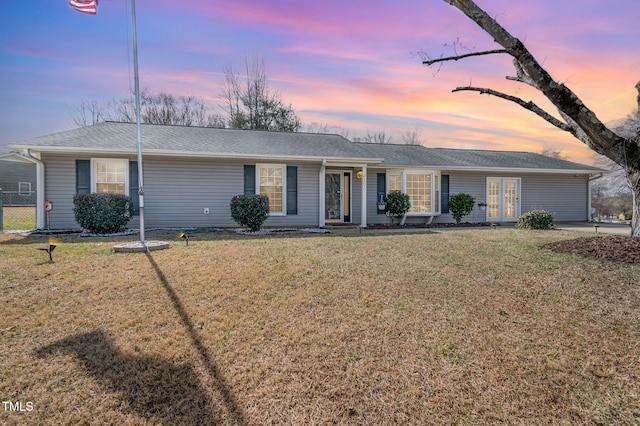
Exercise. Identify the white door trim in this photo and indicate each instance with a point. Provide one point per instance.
(503, 206)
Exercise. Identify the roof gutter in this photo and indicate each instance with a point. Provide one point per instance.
(187, 154)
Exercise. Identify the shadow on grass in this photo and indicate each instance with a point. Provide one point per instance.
(155, 389)
(230, 402)
(220, 235)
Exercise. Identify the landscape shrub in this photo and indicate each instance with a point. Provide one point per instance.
(536, 219)
(461, 205)
(397, 203)
(250, 210)
(102, 213)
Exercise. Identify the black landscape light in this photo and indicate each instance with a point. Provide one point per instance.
(185, 236)
(52, 245)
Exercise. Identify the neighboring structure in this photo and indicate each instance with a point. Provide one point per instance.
(17, 180)
(191, 173)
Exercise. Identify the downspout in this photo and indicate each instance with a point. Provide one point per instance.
(363, 196)
(591, 179)
(321, 188)
(40, 188)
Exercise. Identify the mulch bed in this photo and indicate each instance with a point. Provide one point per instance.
(616, 248)
(425, 225)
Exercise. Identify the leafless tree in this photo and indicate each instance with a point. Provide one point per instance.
(316, 127)
(87, 113)
(614, 182)
(412, 137)
(576, 117)
(375, 137)
(249, 103)
(165, 108)
(552, 151)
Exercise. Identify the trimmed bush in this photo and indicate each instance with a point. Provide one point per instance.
(397, 203)
(250, 210)
(536, 219)
(461, 205)
(102, 213)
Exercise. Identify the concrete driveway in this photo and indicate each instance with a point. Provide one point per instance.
(602, 227)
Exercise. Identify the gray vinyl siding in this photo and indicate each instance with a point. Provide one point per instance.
(372, 198)
(60, 187)
(564, 195)
(177, 191)
(474, 184)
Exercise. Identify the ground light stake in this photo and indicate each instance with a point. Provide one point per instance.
(52, 245)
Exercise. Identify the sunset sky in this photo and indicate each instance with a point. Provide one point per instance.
(353, 66)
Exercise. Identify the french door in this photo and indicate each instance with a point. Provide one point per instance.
(503, 199)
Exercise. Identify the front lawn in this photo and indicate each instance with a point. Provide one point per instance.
(467, 327)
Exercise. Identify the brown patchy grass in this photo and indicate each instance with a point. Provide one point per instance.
(462, 327)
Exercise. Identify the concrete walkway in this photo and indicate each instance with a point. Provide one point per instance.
(602, 227)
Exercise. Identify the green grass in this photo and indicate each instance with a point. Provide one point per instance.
(19, 218)
(457, 327)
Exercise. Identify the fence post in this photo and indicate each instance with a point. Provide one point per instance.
(1, 211)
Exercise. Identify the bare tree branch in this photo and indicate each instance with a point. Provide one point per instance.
(521, 75)
(531, 106)
(466, 55)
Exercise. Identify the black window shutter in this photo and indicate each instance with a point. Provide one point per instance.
(83, 176)
(444, 193)
(292, 190)
(382, 190)
(249, 179)
(133, 186)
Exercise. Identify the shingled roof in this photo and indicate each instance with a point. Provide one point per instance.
(115, 137)
(460, 159)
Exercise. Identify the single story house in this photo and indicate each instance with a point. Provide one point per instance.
(191, 174)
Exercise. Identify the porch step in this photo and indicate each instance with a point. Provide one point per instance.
(342, 226)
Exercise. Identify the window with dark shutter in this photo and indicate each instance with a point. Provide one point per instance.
(249, 179)
(133, 187)
(444, 194)
(382, 190)
(292, 190)
(83, 176)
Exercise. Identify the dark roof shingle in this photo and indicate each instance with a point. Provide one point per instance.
(112, 137)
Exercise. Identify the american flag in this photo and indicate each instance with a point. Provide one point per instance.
(85, 6)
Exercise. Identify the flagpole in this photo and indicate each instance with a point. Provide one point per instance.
(137, 95)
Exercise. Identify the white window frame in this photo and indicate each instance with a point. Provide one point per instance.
(22, 191)
(94, 172)
(501, 205)
(435, 192)
(283, 167)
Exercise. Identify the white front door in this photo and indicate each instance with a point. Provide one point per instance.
(503, 199)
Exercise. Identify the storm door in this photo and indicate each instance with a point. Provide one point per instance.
(337, 200)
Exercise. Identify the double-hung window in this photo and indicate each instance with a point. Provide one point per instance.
(395, 182)
(271, 181)
(422, 187)
(110, 176)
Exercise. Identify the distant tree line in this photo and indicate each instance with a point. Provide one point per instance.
(247, 102)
